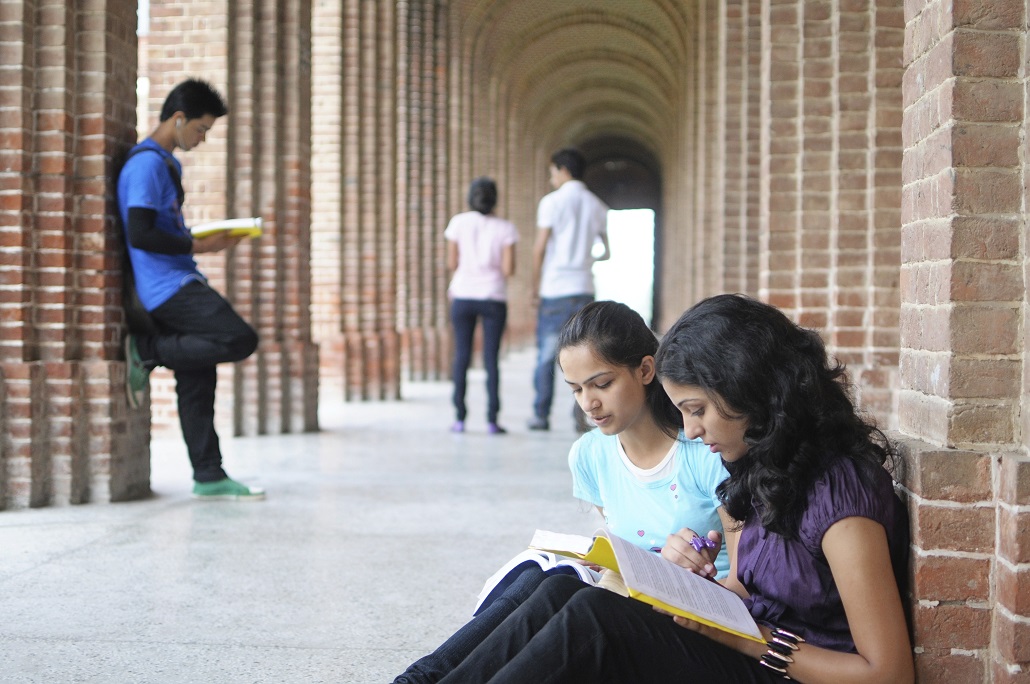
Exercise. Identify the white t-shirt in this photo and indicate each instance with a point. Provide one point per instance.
(481, 240)
(577, 218)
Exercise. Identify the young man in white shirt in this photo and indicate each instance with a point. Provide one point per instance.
(570, 221)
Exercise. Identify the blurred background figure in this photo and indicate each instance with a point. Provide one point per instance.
(481, 254)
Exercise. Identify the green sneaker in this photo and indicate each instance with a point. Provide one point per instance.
(226, 490)
(137, 375)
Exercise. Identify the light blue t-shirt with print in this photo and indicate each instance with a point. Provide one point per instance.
(646, 510)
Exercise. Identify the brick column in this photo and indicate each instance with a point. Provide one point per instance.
(675, 242)
(741, 82)
(359, 109)
(878, 381)
(781, 160)
(421, 200)
(256, 162)
(963, 295)
(819, 190)
(710, 240)
(67, 93)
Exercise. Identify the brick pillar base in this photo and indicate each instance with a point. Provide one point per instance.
(67, 438)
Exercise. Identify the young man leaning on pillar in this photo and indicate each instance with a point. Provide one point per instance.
(195, 328)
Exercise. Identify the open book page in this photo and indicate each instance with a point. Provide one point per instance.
(613, 582)
(575, 545)
(654, 580)
(246, 227)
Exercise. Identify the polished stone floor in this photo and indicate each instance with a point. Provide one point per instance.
(375, 538)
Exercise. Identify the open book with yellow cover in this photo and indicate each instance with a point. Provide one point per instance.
(656, 581)
(238, 227)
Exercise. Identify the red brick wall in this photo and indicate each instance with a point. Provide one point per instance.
(786, 182)
(66, 112)
(962, 349)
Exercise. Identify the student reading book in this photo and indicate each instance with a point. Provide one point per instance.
(818, 556)
(637, 468)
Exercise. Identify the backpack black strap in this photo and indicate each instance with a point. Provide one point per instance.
(172, 170)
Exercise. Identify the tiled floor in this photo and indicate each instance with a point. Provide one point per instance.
(374, 540)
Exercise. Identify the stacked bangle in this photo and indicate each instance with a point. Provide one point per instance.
(778, 657)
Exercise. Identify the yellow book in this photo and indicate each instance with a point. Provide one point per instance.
(245, 227)
(656, 581)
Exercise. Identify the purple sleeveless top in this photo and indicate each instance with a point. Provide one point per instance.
(789, 581)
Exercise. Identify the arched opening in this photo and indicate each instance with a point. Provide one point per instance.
(626, 176)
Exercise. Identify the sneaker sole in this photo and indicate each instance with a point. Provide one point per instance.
(228, 497)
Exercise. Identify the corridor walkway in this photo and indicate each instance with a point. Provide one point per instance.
(371, 547)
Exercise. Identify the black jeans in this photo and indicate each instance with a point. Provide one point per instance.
(464, 313)
(570, 632)
(198, 330)
(435, 666)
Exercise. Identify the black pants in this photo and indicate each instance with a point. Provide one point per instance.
(464, 313)
(198, 330)
(433, 667)
(570, 632)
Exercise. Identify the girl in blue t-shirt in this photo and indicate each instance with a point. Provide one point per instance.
(637, 467)
(646, 478)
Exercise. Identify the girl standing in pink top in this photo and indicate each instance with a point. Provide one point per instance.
(481, 253)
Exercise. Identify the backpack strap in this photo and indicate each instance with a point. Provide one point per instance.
(172, 171)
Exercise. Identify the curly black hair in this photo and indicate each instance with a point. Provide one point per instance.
(755, 363)
(618, 335)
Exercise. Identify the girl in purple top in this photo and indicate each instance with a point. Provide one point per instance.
(819, 553)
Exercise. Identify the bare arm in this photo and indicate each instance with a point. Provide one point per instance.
(452, 256)
(856, 550)
(508, 261)
(607, 250)
(216, 242)
(732, 533)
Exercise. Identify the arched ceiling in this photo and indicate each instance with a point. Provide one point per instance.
(605, 75)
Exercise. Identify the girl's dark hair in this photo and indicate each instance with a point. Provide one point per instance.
(619, 336)
(194, 98)
(483, 195)
(756, 364)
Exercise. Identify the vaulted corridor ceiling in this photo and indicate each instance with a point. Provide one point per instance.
(607, 76)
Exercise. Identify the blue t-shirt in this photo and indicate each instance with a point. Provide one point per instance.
(145, 181)
(646, 512)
